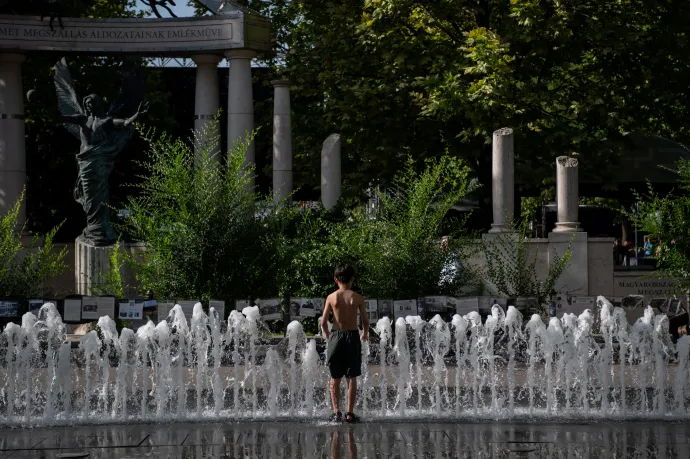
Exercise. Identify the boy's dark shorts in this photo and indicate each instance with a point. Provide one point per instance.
(344, 356)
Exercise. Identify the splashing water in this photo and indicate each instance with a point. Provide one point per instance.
(214, 369)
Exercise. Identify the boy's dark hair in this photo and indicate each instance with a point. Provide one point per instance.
(344, 273)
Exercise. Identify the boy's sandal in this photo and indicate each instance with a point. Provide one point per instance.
(337, 417)
(351, 418)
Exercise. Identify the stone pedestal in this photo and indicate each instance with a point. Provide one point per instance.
(90, 265)
(502, 180)
(206, 102)
(330, 171)
(282, 141)
(575, 279)
(12, 142)
(567, 195)
(241, 101)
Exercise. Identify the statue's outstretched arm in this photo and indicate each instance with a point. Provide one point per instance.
(143, 108)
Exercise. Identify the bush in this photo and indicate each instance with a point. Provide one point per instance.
(396, 250)
(207, 234)
(24, 269)
(666, 219)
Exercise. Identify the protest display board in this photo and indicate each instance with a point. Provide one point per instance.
(270, 309)
(219, 306)
(404, 308)
(131, 310)
(9, 308)
(72, 310)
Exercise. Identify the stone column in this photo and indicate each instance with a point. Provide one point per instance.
(502, 180)
(567, 195)
(330, 171)
(12, 147)
(240, 100)
(206, 103)
(282, 141)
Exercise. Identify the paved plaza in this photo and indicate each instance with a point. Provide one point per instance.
(418, 439)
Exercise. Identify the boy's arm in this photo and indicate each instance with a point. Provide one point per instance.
(324, 319)
(365, 319)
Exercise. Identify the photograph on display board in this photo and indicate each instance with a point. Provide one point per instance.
(35, 305)
(633, 301)
(306, 307)
(385, 308)
(9, 308)
(465, 305)
(435, 304)
(131, 310)
(219, 306)
(72, 310)
(270, 309)
(241, 304)
(89, 308)
(106, 306)
(372, 305)
(163, 309)
(318, 305)
(404, 308)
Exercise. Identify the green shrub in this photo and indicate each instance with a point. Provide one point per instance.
(24, 269)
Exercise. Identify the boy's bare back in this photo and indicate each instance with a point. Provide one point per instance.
(345, 305)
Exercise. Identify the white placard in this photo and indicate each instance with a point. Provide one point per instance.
(465, 305)
(372, 306)
(89, 308)
(187, 308)
(35, 305)
(307, 308)
(241, 304)
(404, 308)
(106, 306)
(164, 310)
(72, 312)
(318, 305)
(219, 306)
(131, 310)
(270, 309)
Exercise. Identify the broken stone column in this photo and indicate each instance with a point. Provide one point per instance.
(502, 180)
(282, 141)
(567, 195)
(330, 171)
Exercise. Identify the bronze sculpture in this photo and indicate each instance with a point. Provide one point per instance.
(102, 137)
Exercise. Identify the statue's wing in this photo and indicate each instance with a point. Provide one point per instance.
(68, 103)
(131, 91)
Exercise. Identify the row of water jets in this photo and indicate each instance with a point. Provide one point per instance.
(209, 368)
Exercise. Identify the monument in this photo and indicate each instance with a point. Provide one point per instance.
(102, 136)
(231, 32)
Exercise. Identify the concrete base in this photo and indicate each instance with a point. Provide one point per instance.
(90, 265)
(575, 278)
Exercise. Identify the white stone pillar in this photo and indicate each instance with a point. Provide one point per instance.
(330, 171)
(240, 100)
(206, 103)
(502, 180)
(282, 141)
(12, 141)
(567, 195)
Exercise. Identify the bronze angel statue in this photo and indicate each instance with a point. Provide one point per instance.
(102, 135)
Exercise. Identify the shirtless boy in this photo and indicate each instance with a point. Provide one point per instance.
(344, 345)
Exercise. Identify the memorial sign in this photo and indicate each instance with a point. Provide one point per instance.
(123, 35)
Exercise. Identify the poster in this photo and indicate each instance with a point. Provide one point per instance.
(89, 308)
(35, 305)
(219, 306)
(131, 310)
(270, 309)
(318, 305)
(106, 306)
(241, 304)
(464, 306)
(305, 307)
(404, 308)
(163, 310)
(372, 305)
(385, 308)
(72, 311)
(187, 308)
(9, 308)
(437, 304)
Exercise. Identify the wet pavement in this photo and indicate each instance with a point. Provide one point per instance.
(414, 439)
